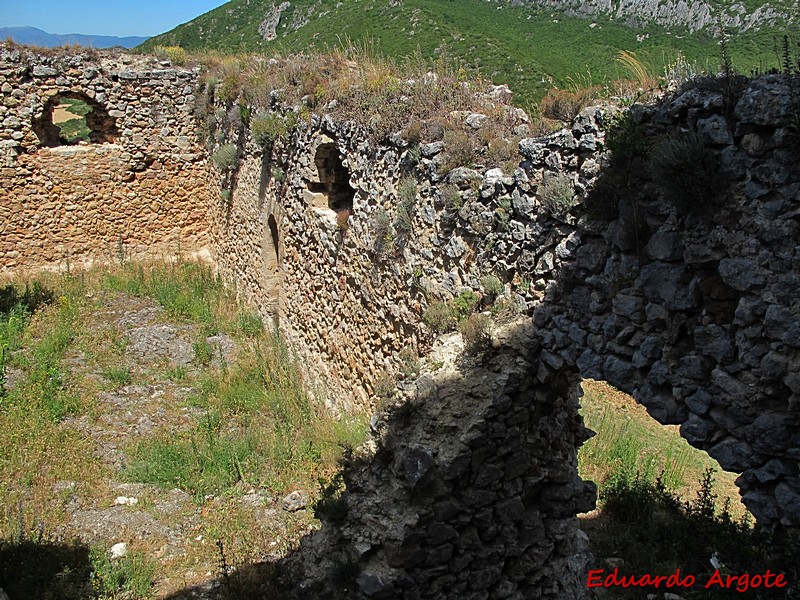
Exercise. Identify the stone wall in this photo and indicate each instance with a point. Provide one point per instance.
(137, 191)
(689, 310)
(690, 305)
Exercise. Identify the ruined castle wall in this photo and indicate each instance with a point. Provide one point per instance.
(689, 310)
(137, 191)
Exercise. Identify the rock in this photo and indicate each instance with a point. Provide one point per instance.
(665, 245)
(119, 550)
(533, 149)
(42, 71)
(418, 461)
(715, 129)
(665, 283)
(432, 149)
(297, 500)
(696, 430)
(125, 501)
(741, 274)
(462, 177)
(475, 120)
(375, 586)
(766, 101)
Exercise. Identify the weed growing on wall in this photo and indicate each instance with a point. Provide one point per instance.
(225, 157)
(475, 331)
(686, 173)
(557, 194)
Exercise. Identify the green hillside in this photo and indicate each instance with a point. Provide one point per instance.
(530, 49)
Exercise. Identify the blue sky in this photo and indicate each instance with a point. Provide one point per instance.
(103, 17)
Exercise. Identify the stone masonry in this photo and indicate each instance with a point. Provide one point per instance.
(138, 191)
(692, 309)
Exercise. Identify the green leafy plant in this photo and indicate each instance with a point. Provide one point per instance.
(266, 127)
(464, 304)
(453, 200)
(492, 285)
(132, 574)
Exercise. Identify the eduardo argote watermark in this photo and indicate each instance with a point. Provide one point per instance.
(742, 582)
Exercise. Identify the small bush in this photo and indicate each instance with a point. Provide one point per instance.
(565, 105)
(266, 127)
(343, 220)
(407, 194)
(686, 173)
(203, 352)
(557, 194)
(458, 151)
(439, 317)
(451, 196)
(492, 285)
(476, 332)
(225, 157)
(409, 363)
(464, 304)
(384, 386)
(175, 54)
(381, 228)
(413, 133)
(503, 213)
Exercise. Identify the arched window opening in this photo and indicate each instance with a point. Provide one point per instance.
(331, 189)
(273, 274)
(274, 257)
(70, 118)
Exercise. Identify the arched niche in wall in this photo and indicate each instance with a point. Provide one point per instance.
(328, 182)
(71, 117)
(273, 271)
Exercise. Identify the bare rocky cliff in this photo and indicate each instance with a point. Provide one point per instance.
(692, 15)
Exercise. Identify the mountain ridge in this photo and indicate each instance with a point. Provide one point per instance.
(522, 43)
(37, 37)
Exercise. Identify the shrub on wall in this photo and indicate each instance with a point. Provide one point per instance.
(225, 157)
(407, 194)
(439, 317)
(565, 105)
(557, 194)
(476, 333)
(458, 151)
(266, 127)
(686, 173)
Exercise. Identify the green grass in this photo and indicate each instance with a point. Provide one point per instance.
(531, 50)
(664, 505)
(631, 444)
(259, 427)
(189, 292)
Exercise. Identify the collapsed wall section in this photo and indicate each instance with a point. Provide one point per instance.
(135, 189)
